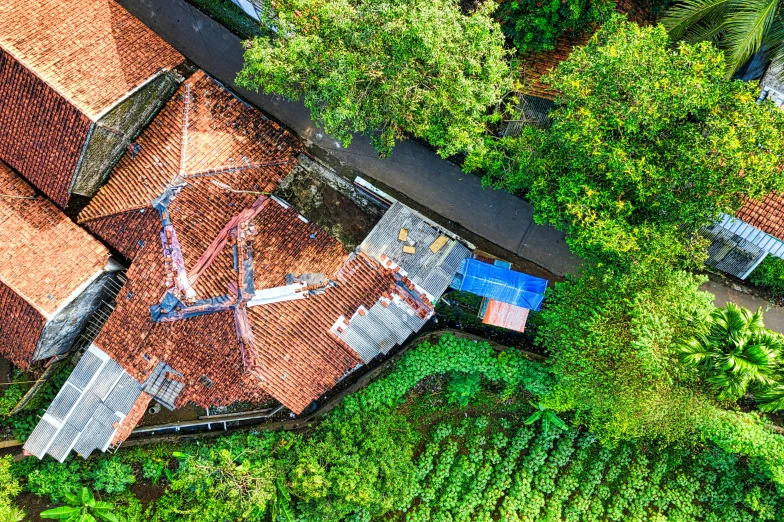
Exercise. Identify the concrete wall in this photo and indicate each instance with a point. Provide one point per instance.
(62, 330)
(116, 129)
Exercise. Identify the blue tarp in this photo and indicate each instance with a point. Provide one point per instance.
(501, 284)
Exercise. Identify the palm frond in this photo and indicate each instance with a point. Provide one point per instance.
(747, 23)
(681, 17)
(771, 399)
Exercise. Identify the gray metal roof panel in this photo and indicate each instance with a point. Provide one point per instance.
(357, 341)
(40, 438)
(107, 378)
(85, 370)
(396, 324)
(122, 397)
(95, 436)
(64, 401)
(375, 329)
(63, 442)
(84, 410)
(105, 415)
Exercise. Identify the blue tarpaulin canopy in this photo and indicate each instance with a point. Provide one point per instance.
(500, 284)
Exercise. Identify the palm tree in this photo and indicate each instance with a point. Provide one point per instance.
(739, 27)
(734, 351)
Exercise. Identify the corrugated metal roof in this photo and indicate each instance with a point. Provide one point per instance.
(431, 271)
(95, 398)
(753, 235)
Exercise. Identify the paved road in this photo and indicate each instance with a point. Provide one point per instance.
(413, 170)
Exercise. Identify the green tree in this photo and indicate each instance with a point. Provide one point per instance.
(734, 351)
(82, 508)
(739, 27)
(386, 69)
(536, 26)
(612, 337)
(646, 138)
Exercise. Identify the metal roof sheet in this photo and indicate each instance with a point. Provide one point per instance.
(40, 438)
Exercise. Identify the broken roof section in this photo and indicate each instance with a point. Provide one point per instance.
(89, 409)
(45, 262)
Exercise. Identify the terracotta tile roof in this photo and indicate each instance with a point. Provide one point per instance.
(20, 328)
(44, 256)
(126, 426)
(222, 133)
(34, 121)
(767, 214)
(92, 52)
(537, 65)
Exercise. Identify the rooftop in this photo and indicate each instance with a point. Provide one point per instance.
(44, 256)
(766, 215)
(93, 52)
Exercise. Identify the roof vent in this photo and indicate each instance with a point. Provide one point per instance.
(206, 381)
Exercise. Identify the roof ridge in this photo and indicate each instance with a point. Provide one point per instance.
(86, 219)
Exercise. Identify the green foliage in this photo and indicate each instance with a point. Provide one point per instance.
(547, 417)
(535, 26)
(612, 337)
(648, 143)
(739, 27)
(9, 488)
(385, 69)
(227, 13)
(82, 507)
(53, 479)
(462, 388)
(487, 468)
(112, 476)
(734, 351)
(770, 274)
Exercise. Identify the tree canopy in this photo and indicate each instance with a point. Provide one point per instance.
(385, 69)
(648, 140)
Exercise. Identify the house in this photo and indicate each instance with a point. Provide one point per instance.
(232, 295)
(78, 81)
(52, 275)
(739, 243)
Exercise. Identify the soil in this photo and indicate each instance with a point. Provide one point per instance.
(32, 505)
(329, 201)
(745, 287)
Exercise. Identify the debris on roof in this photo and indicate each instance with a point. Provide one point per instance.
(430, 271)
(87, 411)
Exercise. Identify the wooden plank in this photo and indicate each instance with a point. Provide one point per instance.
(408, 249)
(438, 243)
(403, 235)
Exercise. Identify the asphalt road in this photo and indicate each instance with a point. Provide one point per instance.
(412, 170)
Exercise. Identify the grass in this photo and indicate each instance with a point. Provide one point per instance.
(230, 16)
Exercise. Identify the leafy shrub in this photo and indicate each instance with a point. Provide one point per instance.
(770, 274)
(152, 469)
(54, 480)
(462, 387)
(9, 488)
(535, 25)
(112, 476)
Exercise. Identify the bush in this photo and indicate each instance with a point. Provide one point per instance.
(9, 488)
(112, 476)
(770, 274)
(462, 388)
(534, 25)
(53, 479)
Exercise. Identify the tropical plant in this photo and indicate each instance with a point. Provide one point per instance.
(9, 488)
(770, 274)
(385, 69)
(82, 507)
(734, 351)
(462, 388)
(739, 27)
(548, 417)
(649, 142)
(112, 476)
(612, 336)
(536, 26)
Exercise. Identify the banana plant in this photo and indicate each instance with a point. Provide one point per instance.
(82, 508)
(548, 417)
